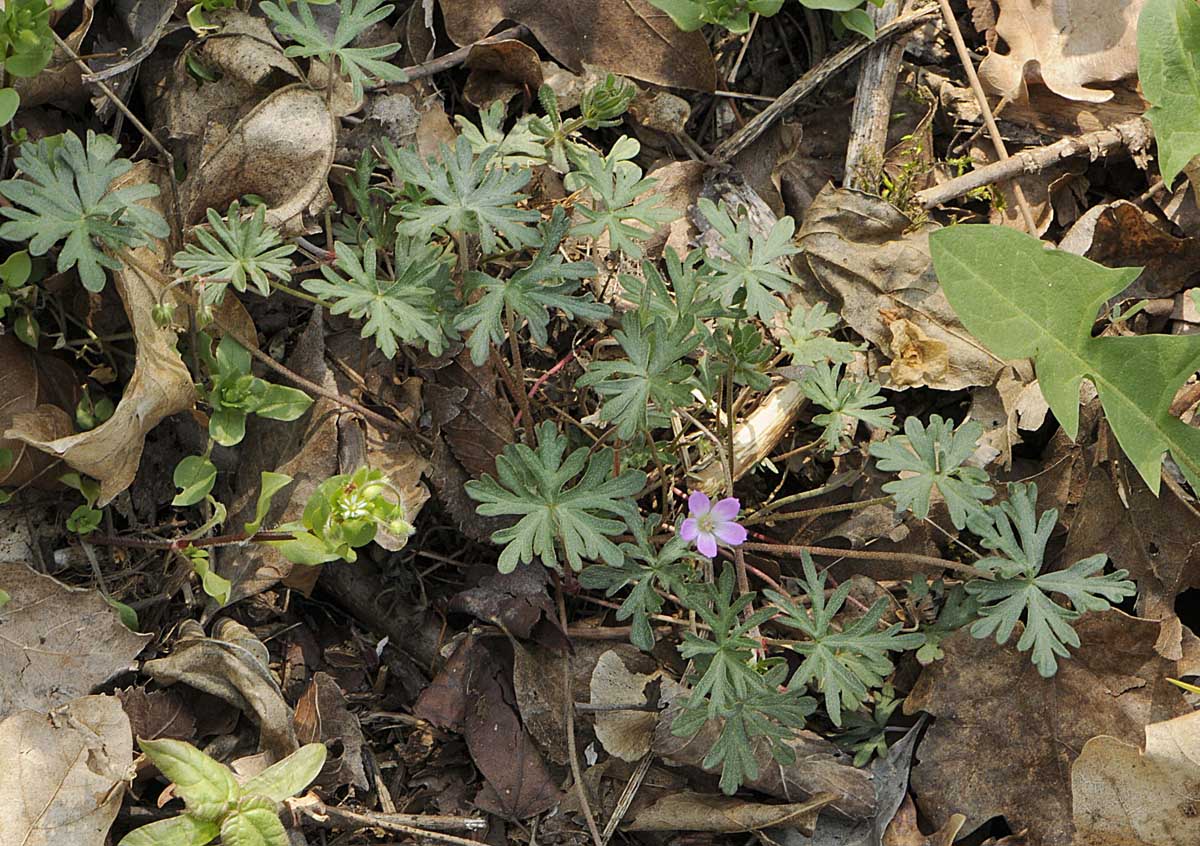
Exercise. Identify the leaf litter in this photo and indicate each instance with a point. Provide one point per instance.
(414, 425)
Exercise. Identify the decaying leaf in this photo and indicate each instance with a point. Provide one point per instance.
(63, 777)
(989, 697)
(233, 666)
(322, 717)
(627, 735)
(1123, 796)
(1069, 44)
(865, 252)
(281, 150)
(630, 37)
(703, 812)
(27, 383)
(159, 387)
(56, 643)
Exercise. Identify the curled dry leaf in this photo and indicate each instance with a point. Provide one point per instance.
(630, 37)
(1123, 796)
(1070, 45)
(58, 642)
(281, 150)
(32, 383)
(233, 666)
(501, 70)
(865, 252)
(627, 735)
(989, 697)
(322, 717)
(159, 387)
(62, 782)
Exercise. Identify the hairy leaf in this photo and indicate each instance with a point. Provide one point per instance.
(807, 340)
(207, 787)
(652, 380)
(65, 197)
(237, 251)
(1025, 301)
(355, 17)
(1022, 590)
(288, 777)
(751, 275)
(546, 282)
(844, 663)
(183, 830)
(556, 514)
(846, 400)
(615, 186)
(468, 196)
(934, 457)
(400, 310)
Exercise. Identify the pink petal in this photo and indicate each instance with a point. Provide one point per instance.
(698, 503)
(689, 529)
(731, 534)
(727, 509)
(707, 544)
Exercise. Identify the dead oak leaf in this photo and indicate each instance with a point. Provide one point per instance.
(630, 37)
(56, 642)
(1069, 44)
(1123, 796)
(1003, 737)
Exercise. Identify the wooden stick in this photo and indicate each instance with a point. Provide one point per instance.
(1133, 135)
(988, 119)
(872, 112)
(808, 83)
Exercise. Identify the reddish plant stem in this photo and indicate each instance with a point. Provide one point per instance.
(544, 378)
(198, 543)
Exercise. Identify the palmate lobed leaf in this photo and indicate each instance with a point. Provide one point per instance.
(846, 400)
(237, 251)
(1014, 531)
(558, 511)
(355, 17)
(65, 197)
(1169, 71)
(846, 664)
(751, 271)
(1023, 300)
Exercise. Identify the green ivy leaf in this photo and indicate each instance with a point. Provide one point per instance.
(556, 514)
(1169, 70)
(291, 775)
(933, 457)
(207, 787)
(1021, 589)
(1025, 301)
(271, 484)
(183, 830)
(846, 662)
(195, 476)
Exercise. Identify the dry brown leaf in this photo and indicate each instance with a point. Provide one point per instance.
(1120, 234)
(501, 70)
(281, 150)
(63, 778)
(864, 251)
(58, 642)
(1069, 44)
(323, 717)
(27, 383)
(1003, 737)
(159, 387)
(232, 665)
(1155, 538)
(1123, 796)
(705, 812)
(627, 735)
(917, 359)
(629, 37)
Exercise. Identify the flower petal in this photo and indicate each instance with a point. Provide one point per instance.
(698, 503)
(707, 544)
(727, 509)
(730, 534)
(689, 529)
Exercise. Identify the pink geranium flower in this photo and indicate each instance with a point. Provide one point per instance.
(711, 523)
